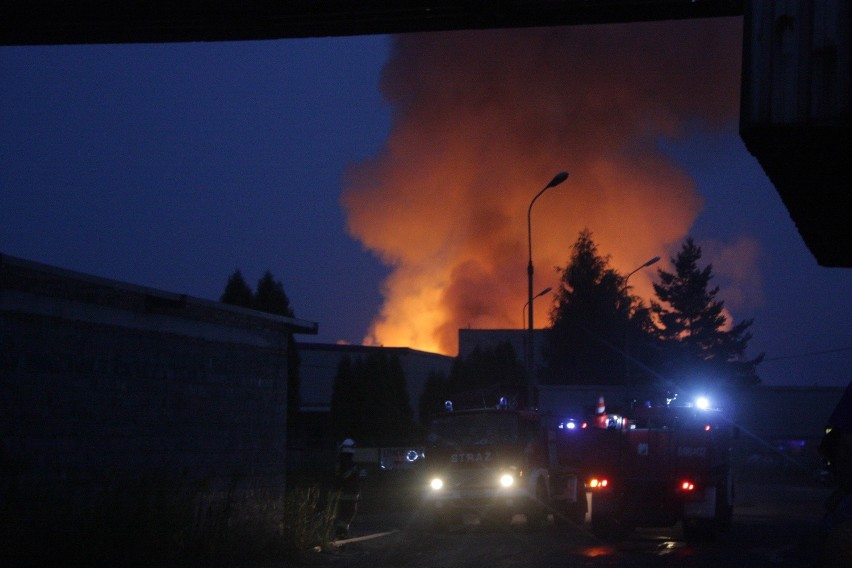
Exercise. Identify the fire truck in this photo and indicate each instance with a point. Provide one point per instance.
(497, 462)
(656, 466)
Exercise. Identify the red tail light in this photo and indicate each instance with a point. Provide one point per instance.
(687, 485)
(598, 483)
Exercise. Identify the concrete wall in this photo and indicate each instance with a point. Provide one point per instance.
(102, 381)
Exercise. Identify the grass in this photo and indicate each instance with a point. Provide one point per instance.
(164, 523)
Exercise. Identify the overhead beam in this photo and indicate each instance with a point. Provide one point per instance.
(43, 22)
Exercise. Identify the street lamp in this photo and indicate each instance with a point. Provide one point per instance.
(532, 394)
(654, 260)
(542, 293)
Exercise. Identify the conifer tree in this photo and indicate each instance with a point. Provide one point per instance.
(485, 375)
(270, 296)
(590, 320)
(237, 291)
(699, 345)
(346, 408)
(435, 394)
(370, 402)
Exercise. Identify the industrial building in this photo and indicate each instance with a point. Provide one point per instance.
(103, 381)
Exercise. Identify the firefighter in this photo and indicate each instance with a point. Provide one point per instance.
(349, 485)
(836, 447)
(601, 420)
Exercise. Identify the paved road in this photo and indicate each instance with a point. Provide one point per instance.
(773, 526)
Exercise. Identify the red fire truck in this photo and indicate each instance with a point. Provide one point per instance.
(657, 466)
(496, 462)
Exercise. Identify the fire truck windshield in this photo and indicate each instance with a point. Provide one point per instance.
(479, 429)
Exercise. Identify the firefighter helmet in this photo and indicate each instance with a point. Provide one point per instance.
(347, 446)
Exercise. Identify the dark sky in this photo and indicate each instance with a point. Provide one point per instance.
(172, 165)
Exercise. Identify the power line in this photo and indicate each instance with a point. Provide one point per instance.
(809, 354)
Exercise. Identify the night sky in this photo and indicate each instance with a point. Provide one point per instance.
(385, 180)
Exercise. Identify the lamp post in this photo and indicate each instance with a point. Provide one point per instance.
(648, 263)
(654, 260)
(524, 312)
(532, 391)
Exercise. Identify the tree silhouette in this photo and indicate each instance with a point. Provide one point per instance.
(237, 291)
(435, 393)
(347, 409)
(486, 375)
(692, 326)
(369, 401)
(593, 316)
(270, 298)
(476, 381)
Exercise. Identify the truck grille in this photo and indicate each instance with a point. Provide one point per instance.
(470, 478)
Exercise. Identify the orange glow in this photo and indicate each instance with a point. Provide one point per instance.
(595, 551)
(481, 126)
(596, 483)
(687, 486)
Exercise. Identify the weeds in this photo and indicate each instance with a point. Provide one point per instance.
(163, 522)
(308, 520)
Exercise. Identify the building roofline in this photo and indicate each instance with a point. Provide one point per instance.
(296, 325)
(349, 347)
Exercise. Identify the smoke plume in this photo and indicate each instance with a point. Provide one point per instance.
(482, 120)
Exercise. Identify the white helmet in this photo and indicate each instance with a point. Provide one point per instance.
(347, 446)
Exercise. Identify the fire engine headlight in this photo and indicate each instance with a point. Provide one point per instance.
(436, 484)
(702, 403)
(506, 480)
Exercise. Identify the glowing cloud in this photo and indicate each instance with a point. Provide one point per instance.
(483, 120)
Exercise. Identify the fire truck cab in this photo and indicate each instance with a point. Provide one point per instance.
(496, 462)
(659, 466)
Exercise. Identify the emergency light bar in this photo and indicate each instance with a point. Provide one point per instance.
(700, 402)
